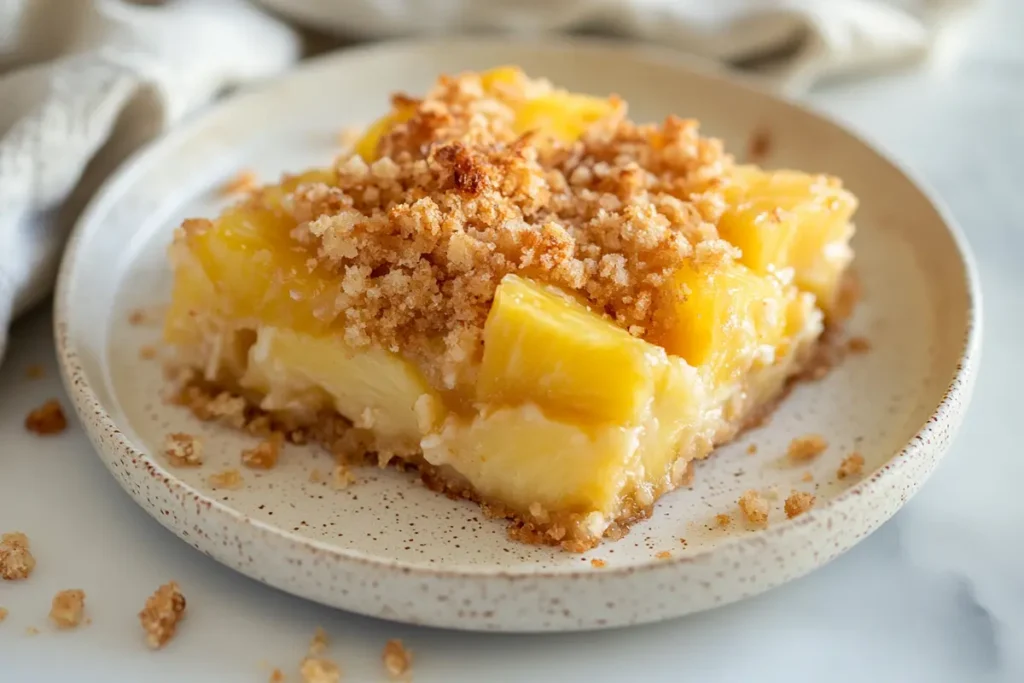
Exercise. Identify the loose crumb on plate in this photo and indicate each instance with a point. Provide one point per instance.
(807, 477)
(663, 555)
(798, 503)
(396, 658)
(243, 181)
(754, 507)
(35, 371)
(183, 450)
(723, 520)
(226, 479)
(67, 607)
(851, 466)
(806, 448)
(147, 352)
(752, 449)
(342, 477)
(858, 345)
(31, 631)
(276, 676)
(16, 561)
(264, 455)
(598, 563)
(161, 614)
(47, 419)
(315, 476)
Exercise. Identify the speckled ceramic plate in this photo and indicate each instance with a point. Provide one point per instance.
(387, 546)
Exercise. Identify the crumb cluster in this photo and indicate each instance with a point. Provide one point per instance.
(806, 447)
(47, 419)
(397, 659)
(264, 455)
(183, 450)
(457, 195)
(16, 560)
(161, 614)
(798, 503)
(851, 466)
(67, 608)
(754, 507)
(316, 667)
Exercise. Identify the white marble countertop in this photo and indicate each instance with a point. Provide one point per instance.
(936, 595)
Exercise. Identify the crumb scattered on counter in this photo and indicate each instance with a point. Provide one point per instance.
(67, 608)
(806, 448)
(243, 181)
(315, 667)
(183, 450)
(723, 520)
(754, 507)
(851, 466)
(264, 455)
(35, 371)
(47, 419)
(858, 345)
(161, 614)
(397, 660)
(226, 479)
(798, 503)
(597, 563)
(16, 561)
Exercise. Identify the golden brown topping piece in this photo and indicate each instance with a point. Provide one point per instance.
(226, 479)
(16, 562)
(397, 659)
(47, 419)
(723, 520)
(183, 450)
(160, 617)
(754, 507)
(798, 503)
(851, 466)
(244, 181)
(67, 607)
(263, 456)
(806, 447)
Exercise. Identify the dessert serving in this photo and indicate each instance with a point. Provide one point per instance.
(535, 302)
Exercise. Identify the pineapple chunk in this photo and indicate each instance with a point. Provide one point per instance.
(541, 346)
(788, 219)
(373, 388)
(367, 145)
(524, 457)
(562, 115)
(726, 315)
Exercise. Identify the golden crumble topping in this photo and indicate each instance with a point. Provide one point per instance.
(456, 199)
(230, 478)
(243, 181)
(397, 659)
(183, 450)
(754, 507)
(798, 503)
(806, 448)
(161, 614)
(16, 561)
(342, 476)
(263, 456)
(851, 466)
(67, 607)
(47, 419)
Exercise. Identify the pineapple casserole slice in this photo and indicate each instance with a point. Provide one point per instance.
(540, 304)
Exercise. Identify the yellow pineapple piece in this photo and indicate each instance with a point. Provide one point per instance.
(374, 388)
(788, 219)
(562, 115)
(724, 316)
(367, 145)
(543, 347)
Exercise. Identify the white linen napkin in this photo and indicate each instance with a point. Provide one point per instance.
(83, 82)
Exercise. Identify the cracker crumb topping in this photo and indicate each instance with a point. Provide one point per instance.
(397, 659)
(47, 419)
(67, 608)
(230, 478)
(183, 450)
(16, 561)
(754, 507)
(264, 455)
(161, 614)
(852, 466)
(806, 448)
(798, 503)
(243, 181)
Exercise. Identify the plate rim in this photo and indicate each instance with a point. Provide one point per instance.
(949, 410)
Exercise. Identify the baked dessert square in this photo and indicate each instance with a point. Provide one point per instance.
(534, 301)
